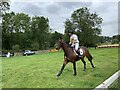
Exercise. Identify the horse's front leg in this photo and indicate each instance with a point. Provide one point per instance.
(74, 67)
(64, 64)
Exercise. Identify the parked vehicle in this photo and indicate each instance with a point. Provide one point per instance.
(28, 52)
(5, 54)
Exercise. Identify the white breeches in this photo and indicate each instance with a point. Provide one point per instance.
(76, 46)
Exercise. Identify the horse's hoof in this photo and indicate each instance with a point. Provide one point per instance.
(74, 74)
(57, 77)
(84, 70)
(94, 66)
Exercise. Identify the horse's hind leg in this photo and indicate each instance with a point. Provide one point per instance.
(92, 63)
(74, 67)
(84, 64)
(90, 59)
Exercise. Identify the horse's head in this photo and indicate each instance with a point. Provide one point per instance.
(59, 43)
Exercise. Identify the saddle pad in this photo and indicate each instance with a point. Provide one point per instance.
(81, 51)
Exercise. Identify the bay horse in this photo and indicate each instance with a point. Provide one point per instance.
(70, 56)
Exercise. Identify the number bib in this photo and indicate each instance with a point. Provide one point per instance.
(81, 52)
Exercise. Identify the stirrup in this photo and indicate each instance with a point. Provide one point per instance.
(79, 56)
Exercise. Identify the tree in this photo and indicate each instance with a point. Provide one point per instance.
(4, 6)
(16, 47)
(21, 30)
(104, 39)
(40, 31)
(15, 30)
(21, 22)
(116, 39)
(85, 24)
(54, 37)
(7, 30)
(35, 46)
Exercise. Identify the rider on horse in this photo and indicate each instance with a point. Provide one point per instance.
(74, 42)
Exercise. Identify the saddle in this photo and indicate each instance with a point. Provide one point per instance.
(78, 52)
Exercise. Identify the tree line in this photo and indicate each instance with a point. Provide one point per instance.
(20, 31)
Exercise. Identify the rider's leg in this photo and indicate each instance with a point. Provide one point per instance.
(77, 51)
(76, 46)
(73, 46)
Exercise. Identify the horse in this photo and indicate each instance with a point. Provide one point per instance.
(70, 56)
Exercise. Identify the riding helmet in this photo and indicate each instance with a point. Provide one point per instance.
(70, 31)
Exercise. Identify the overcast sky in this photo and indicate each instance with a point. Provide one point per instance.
(59, 11)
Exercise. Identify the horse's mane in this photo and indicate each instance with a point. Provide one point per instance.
(68, 45)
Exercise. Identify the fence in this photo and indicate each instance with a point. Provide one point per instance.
(108, 82)
(109, 46)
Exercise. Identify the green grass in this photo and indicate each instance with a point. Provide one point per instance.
(39, 71)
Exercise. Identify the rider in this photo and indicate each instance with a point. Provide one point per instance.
(74, 42)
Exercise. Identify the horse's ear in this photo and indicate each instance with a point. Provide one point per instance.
(60, 37)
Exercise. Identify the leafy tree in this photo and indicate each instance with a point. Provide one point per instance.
(21, 30)
(104, 39)
(7, 30)
(21, 22)
(54, 38)
(115, 41)
(85, 24)
(16, 47)
(116, 37)
(40, 31)
(35, 46)
(15, 28)
(4, 6)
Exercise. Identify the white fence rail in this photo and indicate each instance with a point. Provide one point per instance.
(107, 82)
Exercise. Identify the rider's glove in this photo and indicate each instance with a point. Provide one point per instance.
(72, 45)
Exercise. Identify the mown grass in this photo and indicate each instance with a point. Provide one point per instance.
(39, 71)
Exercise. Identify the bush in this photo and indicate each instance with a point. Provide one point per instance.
(35, 46)
(16, 47)
(115, 41)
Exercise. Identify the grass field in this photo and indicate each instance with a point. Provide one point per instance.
(39, 71)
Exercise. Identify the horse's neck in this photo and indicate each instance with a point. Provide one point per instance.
(66, 48)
